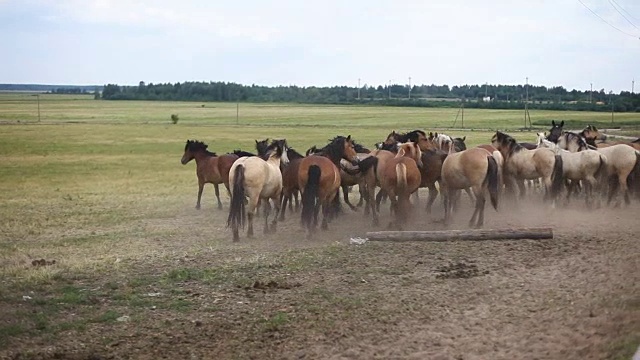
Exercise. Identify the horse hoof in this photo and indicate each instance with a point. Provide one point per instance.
(197, 207)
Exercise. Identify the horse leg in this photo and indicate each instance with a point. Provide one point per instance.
(267, 212)
(254, 199)
(613, 188)
(480, 205)
(345, 194)
(547, 195)
(433, 194)
(215, 186)
(279, 208)
(326, 213)
(379, 196)
(522, 189)
(448, 206)
(200, 188)
(295, 196)
(285, 198)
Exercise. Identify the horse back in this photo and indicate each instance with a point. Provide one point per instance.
(390, 176)
(466, 168)
(329, 174)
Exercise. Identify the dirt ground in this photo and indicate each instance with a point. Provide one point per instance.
(576, 296)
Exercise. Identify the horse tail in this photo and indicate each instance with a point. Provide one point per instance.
(601, 171)
(633, 180)
(492, 179)
(237, 215)
(309, 195)
(401, 177)
(556, 176)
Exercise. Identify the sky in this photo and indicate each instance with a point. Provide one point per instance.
(322, 43)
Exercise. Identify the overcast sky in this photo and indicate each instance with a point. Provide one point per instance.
(321, 43)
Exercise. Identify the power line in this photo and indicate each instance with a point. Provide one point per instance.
(621, 14)
(628, 13)
(606, 22)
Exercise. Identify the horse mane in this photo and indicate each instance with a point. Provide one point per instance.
(293, 155)
(511, 143)
(276, 146)
(389, 147)
(359, 148)
(582, 141)
(410, 136)
(242, 153)
(334, 149)
(195, 145)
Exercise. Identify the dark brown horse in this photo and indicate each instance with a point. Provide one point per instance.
(210, 168)
(319, 180)
(416, 136)
(290, 187)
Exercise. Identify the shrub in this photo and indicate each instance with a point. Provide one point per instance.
(174, 118)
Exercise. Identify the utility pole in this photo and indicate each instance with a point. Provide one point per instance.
(611, 101)
(389, 89)
(590, 93)
(409, 87)
(358, 88)
(485, 89)
(633, 82)
(526, 103)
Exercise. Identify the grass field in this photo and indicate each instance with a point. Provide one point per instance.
(97, 186)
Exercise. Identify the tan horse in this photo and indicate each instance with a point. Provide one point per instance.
(521, 163)
(588, 166)
(473, 168)
(622, 160)
(256, 179)
(210, 168)
(400, 178)
(319, 180)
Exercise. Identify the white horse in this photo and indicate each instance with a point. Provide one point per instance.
(255, 178)
(442, 141)
(588, 166)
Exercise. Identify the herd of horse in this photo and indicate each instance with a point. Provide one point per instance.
(583, 163)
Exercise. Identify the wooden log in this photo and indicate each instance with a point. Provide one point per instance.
(472, 234)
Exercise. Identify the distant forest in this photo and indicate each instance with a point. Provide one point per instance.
(474, 96)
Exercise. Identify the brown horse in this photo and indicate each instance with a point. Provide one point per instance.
(431, 172)
(319, 180)
(416, 136)
(255, 178)
(210, 168)
(400, 178)
(290, 181)
(474, 168)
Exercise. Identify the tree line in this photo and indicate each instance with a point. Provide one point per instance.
(474, 96)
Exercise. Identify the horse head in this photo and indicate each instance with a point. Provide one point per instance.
(278, 149)
(556, 131)
(459, 145)
(262, 146)
(191, 148)
(502, 141)
(591, 134)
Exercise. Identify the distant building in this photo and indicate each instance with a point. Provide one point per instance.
(486, 98)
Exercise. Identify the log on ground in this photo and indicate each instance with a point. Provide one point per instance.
(472, 235)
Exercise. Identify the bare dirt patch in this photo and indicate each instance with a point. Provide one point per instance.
(576, 296)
